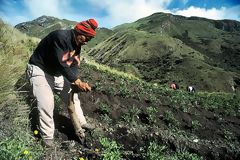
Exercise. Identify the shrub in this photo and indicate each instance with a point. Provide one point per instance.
(111, 150)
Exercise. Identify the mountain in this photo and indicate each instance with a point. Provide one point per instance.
(166, 48)
(43, 25)
(134, 119)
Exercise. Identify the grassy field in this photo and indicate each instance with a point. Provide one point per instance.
(17, 141)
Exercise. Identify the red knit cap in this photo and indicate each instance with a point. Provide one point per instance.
(87, 27)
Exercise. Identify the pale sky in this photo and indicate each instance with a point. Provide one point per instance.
(110, 13)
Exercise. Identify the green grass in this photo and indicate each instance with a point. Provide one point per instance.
(111, 150)
(152, 113)
(41, 29)
(132, 115)
(15, 50)
(166, 48)
(20, 144)
(14, 58)
(157, 151)
(105, 68)
(14, 53)
(178, 99)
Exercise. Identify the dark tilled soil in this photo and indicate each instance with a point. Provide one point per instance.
(126, 120)
(211, 133)
(210, 129)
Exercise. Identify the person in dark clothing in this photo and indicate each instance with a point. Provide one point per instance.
(191, 89)
(53, 68)
(174, 86)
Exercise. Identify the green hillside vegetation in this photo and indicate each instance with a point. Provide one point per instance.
(166, 48)
(16, 48)
(43, 25)
(102, 33)
(134, 119)
(15, 135)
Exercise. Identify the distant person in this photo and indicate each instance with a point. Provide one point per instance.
(191, 89)
(53, 67)
(174, 86)
(233, 88)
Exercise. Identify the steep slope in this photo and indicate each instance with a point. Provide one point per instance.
(166, 48)
(134, 119)
(102, 34)
(15, 135)
(43, 25)
(15, 49)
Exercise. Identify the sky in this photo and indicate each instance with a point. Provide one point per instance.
(110, 13)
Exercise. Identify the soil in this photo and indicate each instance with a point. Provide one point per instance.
(213, 136)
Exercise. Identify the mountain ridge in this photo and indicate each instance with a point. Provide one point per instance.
(219, 48)
(41, 26)
(190, 50)
(134, 119)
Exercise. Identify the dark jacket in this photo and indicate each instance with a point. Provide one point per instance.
(53, 54)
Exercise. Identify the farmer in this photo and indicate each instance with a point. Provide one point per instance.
(53, 67)
(174, 86)
(191, 89)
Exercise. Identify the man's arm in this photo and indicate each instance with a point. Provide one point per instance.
(66, 59)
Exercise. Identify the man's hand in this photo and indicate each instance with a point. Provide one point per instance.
(82, 85)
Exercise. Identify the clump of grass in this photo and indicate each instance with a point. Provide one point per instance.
(113, 71)
(196, 124)
(21, 144)
(105, 111)
(170, 119)
(105, 108)
(152, 113)
(132, 116)
(111, 150)
(183, 154)
(155, 151)
(15, 50)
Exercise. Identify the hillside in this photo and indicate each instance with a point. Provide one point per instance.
(165, 48)
(43, 25)
(15, 134)
(134, 119)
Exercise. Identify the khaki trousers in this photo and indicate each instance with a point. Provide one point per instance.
(43, 86)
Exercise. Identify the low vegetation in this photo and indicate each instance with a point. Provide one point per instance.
(16, 138)
(164, 48)
(134, 119)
